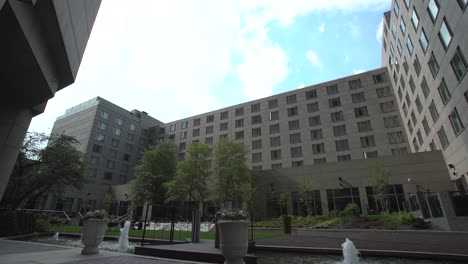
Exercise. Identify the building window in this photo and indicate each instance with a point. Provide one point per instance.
(273, 103)
(392, 49)
(183, 135)
(320, 161)
(342, 145)
(275, 141)
(387, 107)
(196, 132)
(224, 115)
(314, 121)
(100, 137)
(292, 111)
(298, 163)
(172, 128)
(415, 145)
(396, 9)
(334, 102)
(117, 131)
(443, 138)
(358, 97)
(257, 157)
(456, 122)
(239, 123)
(339, 131)
(391, 121)
(184, 124)
(108, 175)
(223, 126)
(102, 126)
(256, 132)
(196, 122)
(405, 109)
(239, 135)
(293, 124)
(132, 127)
(361, 111)
(210, 119)
(97, 148)
(399, 48)
(383, 92)
(355, 84)
(119, 121)
(276, 154)
(344, 157)
(423, 41)
(239, 111)
(115, 142)
(399, 151)
(432, 145)
(425, 87)
(367, 141)
(318, 148)
(209, 140)
(412, 85)
(316, 134)
(420, 138)
(296, 152)
(274, 115)
(295, 138)
(463, 4)
(407, 3)
(417, 65)
(408, 100)
(426, 126)
(379, 78)
(459, 64)
(395, 137)
(410, 126)
(415, 19)
(257, 119)
(291, 99)
(409, 45)
(274, 129)
(402, 82)
(405, 65)
(434, 112)
(444, 92)
(255, 108)
(364, 126)
(312, 94)
(445, 34)
(257, 144)
(433, 65)
(433, 9)
(105, 115)
(276, 166)
(403, 27)
(332, 89)
(313, 107)
(394, 33)
(209, 130)
(370, 155)
(337, 116)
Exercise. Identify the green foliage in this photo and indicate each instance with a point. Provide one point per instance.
(40, 169)
(42, 224)
(379, 177)
(351, 209)
(107, 201)
(283, 202)
(158, 166)
(16, 223)
(305, 196)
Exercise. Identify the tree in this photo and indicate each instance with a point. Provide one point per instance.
(158, 167)
(283, 202)
(230, 173)
(378, 177)
(39, 170)
(306, 196)
(190, 181)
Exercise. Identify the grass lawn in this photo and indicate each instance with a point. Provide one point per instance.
(178, 235)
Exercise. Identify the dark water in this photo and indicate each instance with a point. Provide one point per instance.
(109, 245)
(292, 258)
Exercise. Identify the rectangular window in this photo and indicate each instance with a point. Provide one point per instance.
(379, 78)
(425, 87)
(316, 134)
(296, 152)
(445, 34)
(182, 146)
(298, 163)
(456, 122)
(364, 126)
(426, 126)
(433, 9)
(361, 112)
(209, 130)
(337, 116)
(274, 129)
(256, 132)
(383, 92)
(275, 141)
(459, 65)
(387, 107)
(443, 138)
(334, 102)
(415, 19)
(273, 103)
(367, 142)
(417, 65)
(274, 115)
(239, 123)
(131, 137)
(119, 121)
(342, 145)
(292, 111)
(399, 151)
(358, 97)
(100, 137)
(433, 65)
(312, 94)
(257, 144)
(115, 142)
(395, 137)
(184, 124)
(276, 154)
(332, 89)
(355, 84)
(132, 127)
(370, 155)
(239, 135)
(97, 148)
(257, 157)
(209, 140)
(339, 131)
(403, 26)
(444, 92)
(102, 126)
(257, 119)
(314, 121)
(196, 122)
(223, 126)
(320, 161)
(291, 99)
(224, 115)
(295, 138)
(313, 107)
(172, 128)
(255, 108)
(344, 157)
(391, 121)
(108, 175)
(409, 45)
(183, 135)
(105, 115)
(196, 132)
(210, 119)
(318, 148)
(293, 124)
(117, 131)
(239, 111)
(275, 166)
(434, 112)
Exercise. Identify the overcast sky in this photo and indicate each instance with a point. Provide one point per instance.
(175, 59)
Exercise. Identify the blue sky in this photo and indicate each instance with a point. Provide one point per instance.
(197, 56)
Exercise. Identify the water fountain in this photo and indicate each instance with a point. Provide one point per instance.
(350, 253)
(55, 236)
(123, 239)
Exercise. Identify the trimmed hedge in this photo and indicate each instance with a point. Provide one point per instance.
(18, 223)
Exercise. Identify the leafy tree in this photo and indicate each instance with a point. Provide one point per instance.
(158, 167)
(306, 196)
(283, 202)
(42, 168)
(190, 181)
(378, 177)
(230, 173)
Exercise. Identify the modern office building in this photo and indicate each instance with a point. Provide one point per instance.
(41, 49)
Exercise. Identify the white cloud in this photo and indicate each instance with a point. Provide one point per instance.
(313, 58)
(358, 71)
(322, 28)
(379, 32)
(301, 86)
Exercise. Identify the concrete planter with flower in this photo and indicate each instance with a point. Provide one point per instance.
(94, 228)
(233, 233)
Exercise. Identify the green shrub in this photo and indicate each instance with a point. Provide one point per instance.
(420, 223)
(351, 209)
(42, 224)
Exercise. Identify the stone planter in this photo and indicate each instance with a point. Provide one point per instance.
(233, 236)
(93, 235)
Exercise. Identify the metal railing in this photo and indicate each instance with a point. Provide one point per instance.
(48, 212)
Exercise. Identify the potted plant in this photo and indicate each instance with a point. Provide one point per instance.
(94, 227)
(233, 232)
